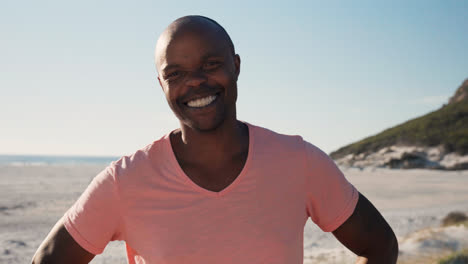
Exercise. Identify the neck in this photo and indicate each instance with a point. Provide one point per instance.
(230, 138)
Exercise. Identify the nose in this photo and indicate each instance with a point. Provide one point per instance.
(195, 78)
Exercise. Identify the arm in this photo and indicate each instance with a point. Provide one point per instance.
(60, 247)
(367, 234)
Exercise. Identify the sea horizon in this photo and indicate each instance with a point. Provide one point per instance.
(38, 160)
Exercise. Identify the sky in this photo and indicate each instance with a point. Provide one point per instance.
(78, 77)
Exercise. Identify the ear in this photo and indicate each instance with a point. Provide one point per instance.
(160, 84)
(237, 62)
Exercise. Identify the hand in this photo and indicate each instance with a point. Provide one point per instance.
(361, 260)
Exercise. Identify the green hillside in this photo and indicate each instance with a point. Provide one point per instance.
(447, 126)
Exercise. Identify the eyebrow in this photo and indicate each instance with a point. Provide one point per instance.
(205, 57)
(169, 67)
(213, 54)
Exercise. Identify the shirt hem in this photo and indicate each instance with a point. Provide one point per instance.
(348, 211)
(85, 244)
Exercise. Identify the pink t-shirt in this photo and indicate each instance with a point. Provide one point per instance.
(165, 218)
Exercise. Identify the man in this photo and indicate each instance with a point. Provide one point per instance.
(217, 190)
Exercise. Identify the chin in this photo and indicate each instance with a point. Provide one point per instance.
(206, 125)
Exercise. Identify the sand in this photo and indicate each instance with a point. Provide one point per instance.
(33, 198)
(411, 201)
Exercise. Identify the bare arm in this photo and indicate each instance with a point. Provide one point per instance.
(368, 235)
(60, 247)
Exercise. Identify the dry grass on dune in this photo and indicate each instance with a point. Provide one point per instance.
(455, 218)
(460, 257)
(456, 258)
(447, 244)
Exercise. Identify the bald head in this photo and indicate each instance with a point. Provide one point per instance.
(199, 25)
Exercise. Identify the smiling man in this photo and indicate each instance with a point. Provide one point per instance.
(216, 190)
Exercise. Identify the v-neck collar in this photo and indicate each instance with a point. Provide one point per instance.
(197, 187)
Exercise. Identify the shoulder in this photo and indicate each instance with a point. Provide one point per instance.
(269, 139)
(140, 160)
(265, 137)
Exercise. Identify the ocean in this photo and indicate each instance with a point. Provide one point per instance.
(38, 160)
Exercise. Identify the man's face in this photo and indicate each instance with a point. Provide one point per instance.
(198, 74)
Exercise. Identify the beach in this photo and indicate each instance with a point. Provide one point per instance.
(412, 201)
(34, 197)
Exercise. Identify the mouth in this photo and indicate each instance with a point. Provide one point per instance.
(202, 102)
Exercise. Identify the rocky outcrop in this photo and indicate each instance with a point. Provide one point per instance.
(406, 157)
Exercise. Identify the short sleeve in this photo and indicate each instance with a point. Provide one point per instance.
(94, 219)
(331, 199)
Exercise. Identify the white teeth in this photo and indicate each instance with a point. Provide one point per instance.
(202, 101)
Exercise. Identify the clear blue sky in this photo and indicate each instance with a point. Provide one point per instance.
(78, 77)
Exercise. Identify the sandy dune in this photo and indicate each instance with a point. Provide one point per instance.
(32, 198)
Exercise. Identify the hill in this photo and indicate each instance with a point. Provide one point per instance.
(436, 140)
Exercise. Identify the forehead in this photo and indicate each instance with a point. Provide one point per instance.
(188, 44)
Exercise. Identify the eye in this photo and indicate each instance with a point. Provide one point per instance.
(173, 75)
(211, 65)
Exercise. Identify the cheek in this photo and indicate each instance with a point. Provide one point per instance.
(170, 97)
(170, 93)
(225, 77)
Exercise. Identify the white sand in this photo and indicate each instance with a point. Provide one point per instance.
(33, 198)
